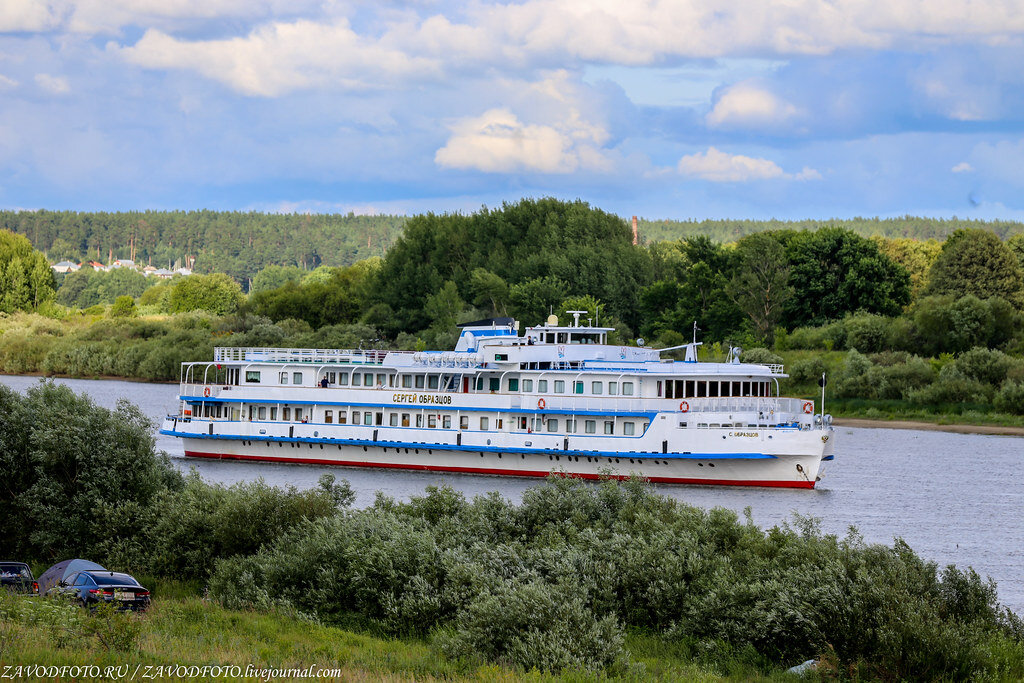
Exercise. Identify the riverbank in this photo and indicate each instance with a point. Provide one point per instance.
(992, 430)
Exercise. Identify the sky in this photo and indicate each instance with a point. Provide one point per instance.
(680, 109)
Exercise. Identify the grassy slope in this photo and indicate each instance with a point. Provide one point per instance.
(191, 631)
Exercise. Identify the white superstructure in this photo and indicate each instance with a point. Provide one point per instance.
(559, 398)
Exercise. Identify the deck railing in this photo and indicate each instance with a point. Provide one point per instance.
(227, 354)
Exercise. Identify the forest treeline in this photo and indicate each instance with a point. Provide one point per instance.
(553, 583)
(237, 243)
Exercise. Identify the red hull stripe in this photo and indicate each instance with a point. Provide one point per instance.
(493, 470)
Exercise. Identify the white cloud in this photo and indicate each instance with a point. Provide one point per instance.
(282, 57)
(7, 83)
(498, 142)
(56, 85)
(962, 167)
(721, 167)
(27, 15)
(746, 105)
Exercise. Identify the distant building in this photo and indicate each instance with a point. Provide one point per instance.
(184, 271)
(162, 273)
(123, 263)
(65, 267)
(96, 265)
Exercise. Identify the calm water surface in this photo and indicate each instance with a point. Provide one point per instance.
(955, 498)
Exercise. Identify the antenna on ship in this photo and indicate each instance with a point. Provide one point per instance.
(695, 330)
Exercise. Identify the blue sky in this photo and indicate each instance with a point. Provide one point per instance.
(665, 109)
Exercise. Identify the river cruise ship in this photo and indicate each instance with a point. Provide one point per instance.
(557, 398)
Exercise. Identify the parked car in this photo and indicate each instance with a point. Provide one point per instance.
(90, 588)
(16, 577)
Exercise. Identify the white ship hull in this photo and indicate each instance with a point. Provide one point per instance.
(771, 457)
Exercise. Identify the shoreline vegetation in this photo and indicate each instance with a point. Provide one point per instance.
(578, 581)
(905, 326)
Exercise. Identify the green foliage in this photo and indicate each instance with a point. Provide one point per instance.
(62, 458)
(976, 262)
(761, 286)
(760, 356)
(1010, 398)
(124, 307)
(275, 277)
(216, 293)
(88, 287)
(834, 272)
(26, 280)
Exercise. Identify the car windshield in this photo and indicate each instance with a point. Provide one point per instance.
(14, 571)
(114, 579)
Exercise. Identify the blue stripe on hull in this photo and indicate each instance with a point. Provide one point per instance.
(473, 449)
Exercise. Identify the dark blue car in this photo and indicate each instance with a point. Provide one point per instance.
(90, 588)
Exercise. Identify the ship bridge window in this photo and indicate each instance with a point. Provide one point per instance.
(627, 388)
(713, 389)
(513, 384)
(550, 338)
(563, 337)
(284, 378)
(559, 386)
(252, 376)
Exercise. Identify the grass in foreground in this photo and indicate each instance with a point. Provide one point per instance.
(190, 631)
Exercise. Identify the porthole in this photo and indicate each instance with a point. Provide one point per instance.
(711, 464)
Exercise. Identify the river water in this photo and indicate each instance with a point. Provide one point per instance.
(955, 498)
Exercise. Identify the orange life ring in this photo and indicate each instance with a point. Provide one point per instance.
(684, 406)
(541, 404)
(206, 391)
(808, 407)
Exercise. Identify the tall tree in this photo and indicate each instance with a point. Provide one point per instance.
(976, 262)
(760, 286)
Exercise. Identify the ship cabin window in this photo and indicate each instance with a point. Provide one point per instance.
(659, 388)
(578, 387)
(342, 417)
(368, 418)
(419, 420)
(298, 415)
(405, 419)
(419, 381)
(713, 389)
(252, 376)
(382, 380)
(284, 378)
(643, 427)
(498, 426)
(627, 388)
(537, 424)
(296, 378)
(613, 388)
(484, 423)
(500, 356)
(570, 426)
(262, 414)
(332, 377)
(286, 414)
(609, 427)
(343, 379)
(494, 384)
(552, 425)
(559, 386)
(542, 386)
(527, 385)
(522, 423)
(590, 426)
(273, 414)
(597, 388)
(406, 381)
(464, 422)
(250, 412)
(432, 421)
(367, 379)
(393, 419)
(446, 421)
(628, 428)
(328, 416)
(513, 384)
(550, 337)
(355, 417)
(563, 337)
(235, 414)
(432, 382)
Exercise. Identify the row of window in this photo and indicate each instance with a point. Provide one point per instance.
(689, 388)
(431, 421)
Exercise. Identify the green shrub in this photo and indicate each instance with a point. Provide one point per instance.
(760, 356)
(1010, 398)
(808, 370)
(867, 332)
(984, 365)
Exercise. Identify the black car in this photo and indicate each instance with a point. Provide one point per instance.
(16, 577)
(89, 588)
